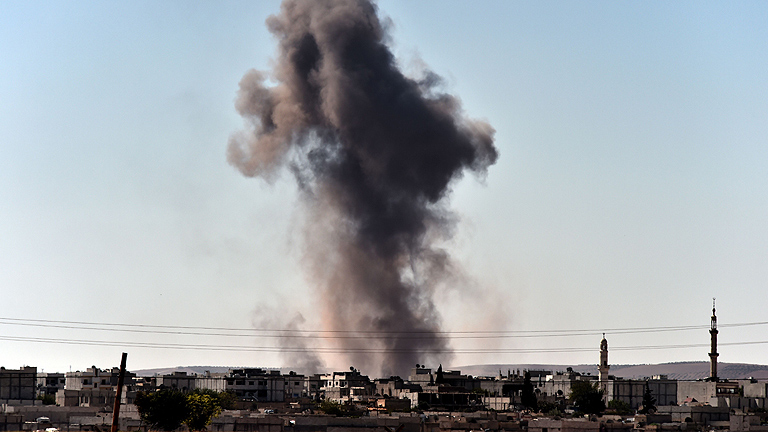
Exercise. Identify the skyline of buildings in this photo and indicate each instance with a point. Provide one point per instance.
(64, 399)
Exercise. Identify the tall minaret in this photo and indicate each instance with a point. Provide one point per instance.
(713, 354)
(603, 366)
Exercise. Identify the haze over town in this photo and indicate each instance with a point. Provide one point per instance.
(629, 189)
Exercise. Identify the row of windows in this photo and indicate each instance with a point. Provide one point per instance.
(87, 382)
(242, 382)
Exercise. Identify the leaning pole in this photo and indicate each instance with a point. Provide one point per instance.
(119, 394)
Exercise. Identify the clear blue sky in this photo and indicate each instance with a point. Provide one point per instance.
(632, 184)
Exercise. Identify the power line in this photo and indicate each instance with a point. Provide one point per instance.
(368, 350)
(368, 335)
(342, 334)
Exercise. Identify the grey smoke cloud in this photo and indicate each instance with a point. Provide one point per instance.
(374, 153)
(301, 356)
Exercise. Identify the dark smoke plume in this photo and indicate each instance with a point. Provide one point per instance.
(374, 153)
(301, 357)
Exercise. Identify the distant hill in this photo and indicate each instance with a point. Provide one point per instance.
(679, 371)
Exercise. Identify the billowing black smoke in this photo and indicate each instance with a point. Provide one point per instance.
(374, 153)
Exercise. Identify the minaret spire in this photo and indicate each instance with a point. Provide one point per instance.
(603, 367)
(713, 353)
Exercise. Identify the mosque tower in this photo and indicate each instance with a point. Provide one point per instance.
(603, 366)
(713, 354)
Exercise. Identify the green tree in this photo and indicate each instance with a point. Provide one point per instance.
(228, 400)
(331, 408)
(202, 408)
(620, 406)
(164, 409)
(587, 398)
(48, 399)
(225, 399)
(549, 407)
(528, 397)
(205, 391)
(649, 402)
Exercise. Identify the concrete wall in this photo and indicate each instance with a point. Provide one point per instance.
(178, 381)
(702, 391)
(755, 390)
(665, 391)
(11, 422)
(216, 383)
(632, 391)
(499, 403)
(261, 385)
(570, 425)
(628, 391)
(18, 384)
(698, 414)
(49, 383)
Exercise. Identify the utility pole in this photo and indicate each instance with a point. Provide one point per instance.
(713, 353)
(119, 394)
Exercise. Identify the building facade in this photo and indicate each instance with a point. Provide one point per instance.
(18, 385)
